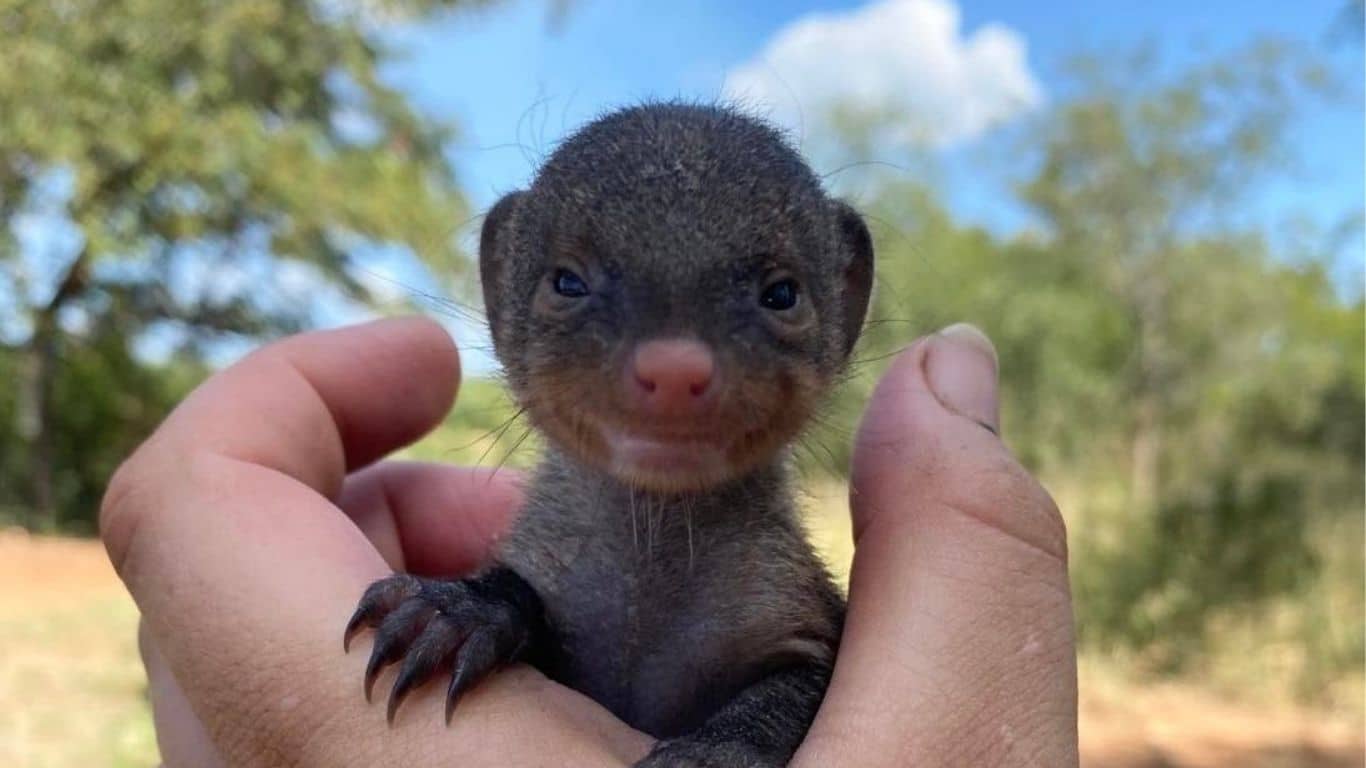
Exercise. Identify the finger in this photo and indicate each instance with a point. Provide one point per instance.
(318, 405)
(245, 574)
(931, 430)
(251, 627)
(431, 519)
(181, 737)
(958, 646)
(243, 571)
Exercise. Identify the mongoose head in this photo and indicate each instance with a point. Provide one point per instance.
(674, 294)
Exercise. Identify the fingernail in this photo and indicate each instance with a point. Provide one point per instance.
(961, 370)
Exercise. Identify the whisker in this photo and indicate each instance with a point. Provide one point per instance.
(635, 535)
(865, 163)
(499, 466)
(501, 432)
(443, 305)
(502, 427)
(877, 358)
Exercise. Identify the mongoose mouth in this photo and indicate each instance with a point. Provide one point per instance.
(666, 462)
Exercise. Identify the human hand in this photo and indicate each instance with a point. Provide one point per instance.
(958, 648)
(247, 526)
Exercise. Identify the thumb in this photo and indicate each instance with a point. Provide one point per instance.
(930, 444)
(960, 368)
(958, 645)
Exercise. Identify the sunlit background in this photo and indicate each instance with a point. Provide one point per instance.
(1155, 210)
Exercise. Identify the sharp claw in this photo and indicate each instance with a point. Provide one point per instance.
(359, 620)
(475, 658)
(395, 637)
(425, 624)
(459, 683)
(382, 654)
(452, 696)
(437, 643)
(381, 597)
(395, 698)
(414, 672)
(408, 677)
(373, 668)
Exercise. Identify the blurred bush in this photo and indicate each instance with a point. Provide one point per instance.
(1186, 379)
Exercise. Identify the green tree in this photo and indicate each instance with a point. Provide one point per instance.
(1189, 383)
(188, 152)
(1144, 177)
(1236, 350)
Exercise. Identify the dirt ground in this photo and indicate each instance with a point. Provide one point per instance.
(72, 691)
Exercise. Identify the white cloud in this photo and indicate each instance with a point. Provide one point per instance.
(907, 57)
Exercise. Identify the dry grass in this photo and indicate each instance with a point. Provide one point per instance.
(72, 689)
(1178, 725)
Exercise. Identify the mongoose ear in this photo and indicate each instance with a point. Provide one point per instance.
(858, 272)
(491, 266)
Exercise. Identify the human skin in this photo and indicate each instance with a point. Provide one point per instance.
(248, 524)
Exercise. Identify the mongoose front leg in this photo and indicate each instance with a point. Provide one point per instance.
(475, 625)
(760, 728)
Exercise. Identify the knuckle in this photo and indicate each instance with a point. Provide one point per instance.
(121, 510)
(135, 493)
(1045, 517)
(1004, 494)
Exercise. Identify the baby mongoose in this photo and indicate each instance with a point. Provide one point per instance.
(671, 299)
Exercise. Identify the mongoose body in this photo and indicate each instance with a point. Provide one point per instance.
(670, 299)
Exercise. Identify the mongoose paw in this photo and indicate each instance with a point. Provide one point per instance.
(474, 625)
(692, 752)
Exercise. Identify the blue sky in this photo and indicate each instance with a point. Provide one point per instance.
(515, 82)
(507, 77)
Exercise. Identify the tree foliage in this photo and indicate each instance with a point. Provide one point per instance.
(1190, 385)
(180, 162)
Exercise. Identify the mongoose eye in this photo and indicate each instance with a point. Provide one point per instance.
(569, 284)
(780, 296)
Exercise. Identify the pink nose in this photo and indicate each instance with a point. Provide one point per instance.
(672, 376)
